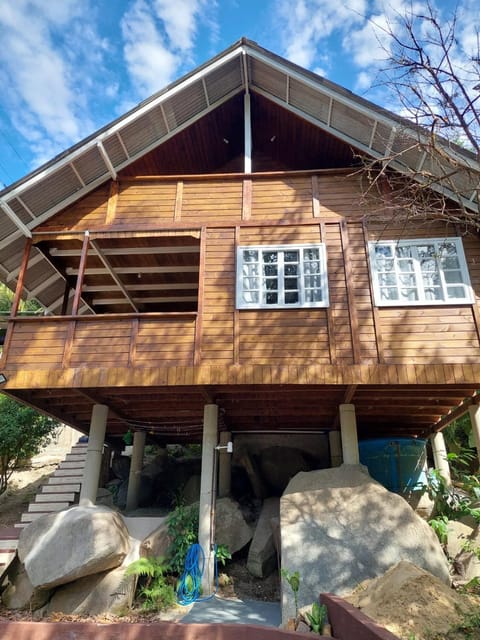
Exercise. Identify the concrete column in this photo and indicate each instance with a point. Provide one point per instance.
(93, 462)
(224, 466)
(440, 456)
(348, 429)
(335, 443)
(207, 498)
(474, 412)
(136, 465)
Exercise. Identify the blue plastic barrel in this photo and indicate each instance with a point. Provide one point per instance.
(397, 463)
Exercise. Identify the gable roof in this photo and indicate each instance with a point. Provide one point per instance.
(244, 67)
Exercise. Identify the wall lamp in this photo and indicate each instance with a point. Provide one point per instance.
(3, 378)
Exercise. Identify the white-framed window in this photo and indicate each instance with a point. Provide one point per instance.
(281, 276)
(419, 272)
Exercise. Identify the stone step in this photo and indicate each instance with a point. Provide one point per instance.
(55, 497)
(30, 517)
(71, 465)
(76, 457)
(7, 556)
(47, 507)
(58, 487)
(68, 473)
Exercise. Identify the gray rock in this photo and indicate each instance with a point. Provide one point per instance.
(61, 547)
(191, 490)
(262, 555)
(156, 543)
(231, 528)
(20, 593)
(458, 536)
(105, 592)
(339, 527)
(466, 563)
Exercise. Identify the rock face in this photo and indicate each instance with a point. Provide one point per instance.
(62, 547)
(231, 528)
(20, 593)
(339, 527)
(279, 464)
(262, 555)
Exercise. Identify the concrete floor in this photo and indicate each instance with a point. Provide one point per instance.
(266, 614)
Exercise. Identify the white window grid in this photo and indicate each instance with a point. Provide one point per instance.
(304, 277)
(425, 271)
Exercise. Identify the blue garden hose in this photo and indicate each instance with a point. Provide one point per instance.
(190, 583)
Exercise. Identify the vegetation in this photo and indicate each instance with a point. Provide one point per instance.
(432, 71)
(154, 589)
(23, 433)
(183, 532)
(318, 618)
(293, 580)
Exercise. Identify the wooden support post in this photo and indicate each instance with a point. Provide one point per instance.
(197, 355)
(352, 307)
(21, 278)
(136, 464)
(93, 463)
(439, 451)
(81, 274)
(348, 428)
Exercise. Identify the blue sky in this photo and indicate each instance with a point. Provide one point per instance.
(67, 67)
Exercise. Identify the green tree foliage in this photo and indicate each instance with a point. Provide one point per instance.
(23, 433)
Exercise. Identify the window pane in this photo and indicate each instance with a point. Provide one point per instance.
(313, 295)
(403, 252)
(270, 298)
(250, 283)
(311, 267)
(313, 281)
(291, 269)
(450, 262)
(311, 254)
(429, 264)
(390, 293)
(290, 256)
(291, 283)
(431, 279)
(456, 292)
(405, 265)
(269, 257)
(387, 279)
(383, 251)
(250, 297)
(270, 269)
(250, 255)
(270, 284)
(291, 297)
(433, 293)
(384, 264)
(408, 294)
(408, 280)
(426, 251)
(453, 276)
(250, 269)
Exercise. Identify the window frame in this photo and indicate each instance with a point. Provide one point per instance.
(282, 248)
(422, 300)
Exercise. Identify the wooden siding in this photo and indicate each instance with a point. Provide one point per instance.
(252, 210)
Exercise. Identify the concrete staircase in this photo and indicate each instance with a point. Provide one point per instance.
(61, 491)
(62, 488)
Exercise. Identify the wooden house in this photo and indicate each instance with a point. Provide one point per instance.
(207, 266)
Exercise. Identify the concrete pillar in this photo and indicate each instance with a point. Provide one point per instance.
(93, 462)
(474, 412)
(207, 498)
(224, 466)
(440, 456)
(335, 443)
(136, 465)
(348, 429)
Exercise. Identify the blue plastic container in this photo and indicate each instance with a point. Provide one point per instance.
(397, 463)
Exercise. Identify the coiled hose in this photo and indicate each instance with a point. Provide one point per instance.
(190, 583)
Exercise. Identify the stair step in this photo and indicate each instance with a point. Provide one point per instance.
(76, 457)
(30, 517)
(8, 545)
(59, 487)
(48, 507)
(71, 465)
(68, 473)
(7, 556)
(55, 497)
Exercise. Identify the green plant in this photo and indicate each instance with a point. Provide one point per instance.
(222, 554)
(440, 526)
(318, 617)
(182, 525)
(293, 580)
(153, 589)
(23, 433)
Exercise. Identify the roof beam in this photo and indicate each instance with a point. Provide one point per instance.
(6, 208)
(106, 159)
(158, 299)
(113, 274)
(98, 271)
(130, 251)
(183, 286)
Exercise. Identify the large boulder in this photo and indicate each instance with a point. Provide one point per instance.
(61, 547)
(231, 529)
(100, 593)
(339, 527)
(20, 593)
(262, 555)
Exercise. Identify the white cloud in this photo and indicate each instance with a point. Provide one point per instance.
(46, 98)
(159, 38)
(306, 25)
